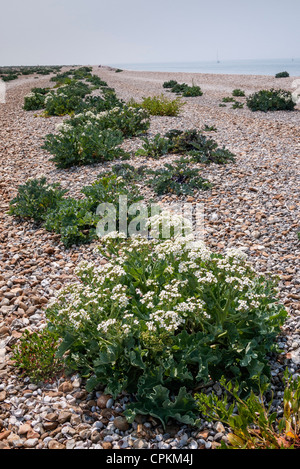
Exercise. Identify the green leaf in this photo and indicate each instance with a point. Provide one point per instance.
(159, 405)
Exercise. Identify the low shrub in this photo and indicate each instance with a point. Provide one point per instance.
(161, 318)
(34, 101)
(237, 105)
(35, 198)
(128, 172)
(128, 120)
(169, 84)
(194, 143)
(192, 91)
(183, 89)
(83, 145)
(209, 128)
(67, 99)
(97, 104)
(10, 77)
(238, 93)
(282, 75)
(271, 100)
(252, 424)
(74, 219)
(228, 99)
(177, 178)
(154, 148)
(35, 356)
(162, 106)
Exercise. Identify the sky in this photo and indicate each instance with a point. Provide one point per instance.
(69, 32)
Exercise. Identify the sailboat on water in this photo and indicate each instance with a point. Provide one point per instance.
(218, 61)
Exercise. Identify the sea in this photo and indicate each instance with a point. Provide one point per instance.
(230, 67)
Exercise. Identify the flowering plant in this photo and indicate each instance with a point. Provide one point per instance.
(128, 120)
(160, 318)
(83, 145)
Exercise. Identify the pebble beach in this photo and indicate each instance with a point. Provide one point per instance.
(253, 203)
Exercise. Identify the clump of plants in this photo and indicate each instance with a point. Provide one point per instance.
(190, 142)
(83, 145)
(228, 99)
(282, 75)
(271, 100)
(253, 424)
(198, 146)
(238, 93)
(35, 100)
(160, 105)
(74, 219)
(177, 178)
(237, 105)
(35, 198)
(10, 77)
(183, 89)
(35, 356)
(163, 317)
(128, 172)
(12, 73)
(169, 84)
(67, 99)
(209, 128)
(91, 137)
(154, 148)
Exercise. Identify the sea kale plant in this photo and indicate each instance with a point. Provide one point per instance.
(198, 146)
(177, 178)
(35, 198)
(154, 148)
(238, 93)
(183, 89)
(35, 100)
(189, 142)
(163, 317)
(129, 120)
(271, 100)
(91, 137)
(75, 220)
(67, 99)
(128, 172)
(83, 144)
(282, 75)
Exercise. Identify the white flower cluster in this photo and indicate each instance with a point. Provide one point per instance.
(63, 127)
(165, 320)
(104, 325)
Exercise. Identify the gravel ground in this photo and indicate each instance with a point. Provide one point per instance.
(253, 203)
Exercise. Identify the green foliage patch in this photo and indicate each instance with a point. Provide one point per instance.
(271, 100)
(163, 317)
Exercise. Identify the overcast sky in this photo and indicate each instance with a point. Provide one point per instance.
(142, 31)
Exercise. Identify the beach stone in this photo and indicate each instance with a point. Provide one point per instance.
(66, 387)
(53, 444)
(25, 428)
(121, 423)
(103, 400)
(106, 445)
(31, 443)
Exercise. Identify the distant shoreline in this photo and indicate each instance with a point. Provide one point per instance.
(226, 67)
